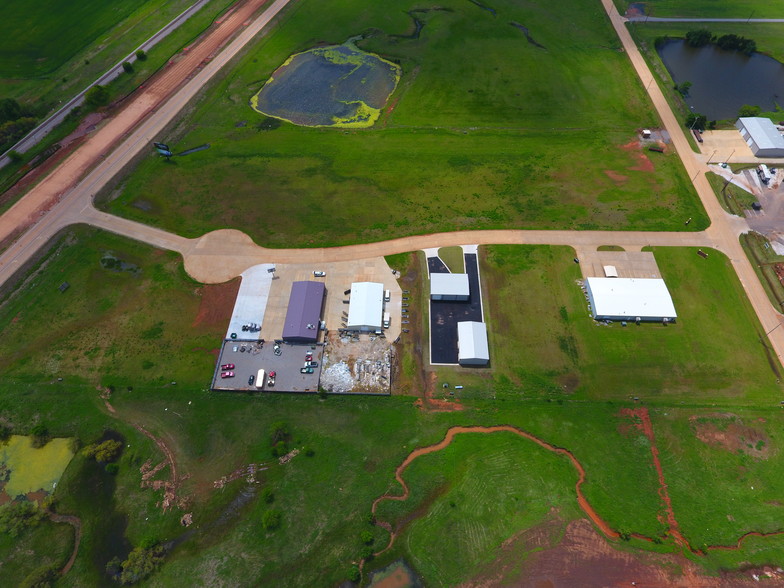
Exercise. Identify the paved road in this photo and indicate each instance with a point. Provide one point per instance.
(725, 228)
(664, 19)
(33, 137)
(62, 198)
(221, 255)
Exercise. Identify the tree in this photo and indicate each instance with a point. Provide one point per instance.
(17, 516)
(353, 574)
(105, 452)
(696, 121)
(749, 110)
(127, 67)
(366, 537)
(141, 55)
(96, 97)
(698, 38)
(140, 563)
(683, 88)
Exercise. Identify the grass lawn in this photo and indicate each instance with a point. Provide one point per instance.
(453, 258)
(529, 137)
(543, 342)
(732, 198)
(147, 311)
(709, 8)
(764, 260)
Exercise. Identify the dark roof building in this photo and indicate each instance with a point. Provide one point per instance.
(304, 312)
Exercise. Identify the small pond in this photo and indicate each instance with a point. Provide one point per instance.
(29, 471)
(723, 81)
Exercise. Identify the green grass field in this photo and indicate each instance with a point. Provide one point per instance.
(103, 329)
(709, 8)
(487, 131)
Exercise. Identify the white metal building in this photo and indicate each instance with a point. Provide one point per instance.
(762, 136)
(472, 346)
(449, 287)
(630, 299)
(366, 306)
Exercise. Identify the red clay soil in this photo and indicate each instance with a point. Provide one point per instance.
(450, 435)
(615, 176)
(216, 303)
(432, 404)
(76, 523)
(643, 423)
(643, 163)
(727, 431)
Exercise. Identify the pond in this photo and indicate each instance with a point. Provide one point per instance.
(31, 472)
(723, 81)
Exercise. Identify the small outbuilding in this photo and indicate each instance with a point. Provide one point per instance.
(304, 312)
(449, 287)
(762, 136)
(472, 346)
(630, 299)
(366, 307)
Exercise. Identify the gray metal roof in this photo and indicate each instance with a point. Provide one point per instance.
(304, 311)
(763, 131)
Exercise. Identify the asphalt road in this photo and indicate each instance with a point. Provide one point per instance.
(33, 137)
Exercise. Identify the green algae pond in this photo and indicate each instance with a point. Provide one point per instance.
(32, 472)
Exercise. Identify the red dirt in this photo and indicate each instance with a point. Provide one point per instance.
(643, 163)
(450, 435)
(216, 303)
(643, 423)
(431, 404)
(731, 434)
(615, 176)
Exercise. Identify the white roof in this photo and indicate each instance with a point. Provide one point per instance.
(610, 271)
(763, 131)
(449, 285)
(367, 303)
(472, 341)
(630, 298)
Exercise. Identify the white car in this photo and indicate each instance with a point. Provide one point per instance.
(319, 274)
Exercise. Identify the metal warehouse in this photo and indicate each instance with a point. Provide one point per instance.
(449, 287)
(762, 136)
(366, 306)
(304, 312)
(632, 299)
(472, 343)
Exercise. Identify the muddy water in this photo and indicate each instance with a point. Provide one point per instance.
(723, 81)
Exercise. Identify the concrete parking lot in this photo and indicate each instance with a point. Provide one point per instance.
(628, 264)
(249, 357)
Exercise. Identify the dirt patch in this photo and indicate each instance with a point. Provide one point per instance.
(615, 176)
(216, 303)
(779, 269)
(643, 163)
(432, 404)
(585, 558)
(728, 432)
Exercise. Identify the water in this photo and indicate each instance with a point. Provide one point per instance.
(723, 81)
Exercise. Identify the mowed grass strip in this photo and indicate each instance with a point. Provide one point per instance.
(709, 8)
(544, 342)
(485, 130)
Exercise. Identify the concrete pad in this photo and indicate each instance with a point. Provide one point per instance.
(338, 279)
(628, 264)
(720, 145)
(251, 302)
(470, 249)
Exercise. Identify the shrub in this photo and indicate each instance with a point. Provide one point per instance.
(96, 97)
(105, 452)
(353, 574)
(15, 517)
(267, 495)
(127, 67)
(698, 38)
(366, 537)
(749, 110)
(140, 563)
(141, 55)
(14, 156)
(270, 520)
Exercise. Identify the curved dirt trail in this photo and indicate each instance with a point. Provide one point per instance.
(450, 435)
(76, 523)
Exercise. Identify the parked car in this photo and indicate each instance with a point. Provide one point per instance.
(311, 363)
(227, 366)
(319, 274)
(227, 374)
(272, 374)
(251, 380)
(306, 370)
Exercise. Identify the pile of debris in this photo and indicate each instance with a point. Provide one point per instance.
(337, 378)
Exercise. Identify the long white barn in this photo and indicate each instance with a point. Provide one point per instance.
(630, 299)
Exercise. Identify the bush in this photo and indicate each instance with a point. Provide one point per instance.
(366, 537)
(353, 574)
(40, 434)
(366, 553)
(105, 452)
(683, 88)
(96, 97)
(270, 520)
(267, 495)
(141, 55)
(141, 562)
(16, 517)
(749, 110)
(127, 67)
(280, 449)
(698, 38)
(14, 156)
